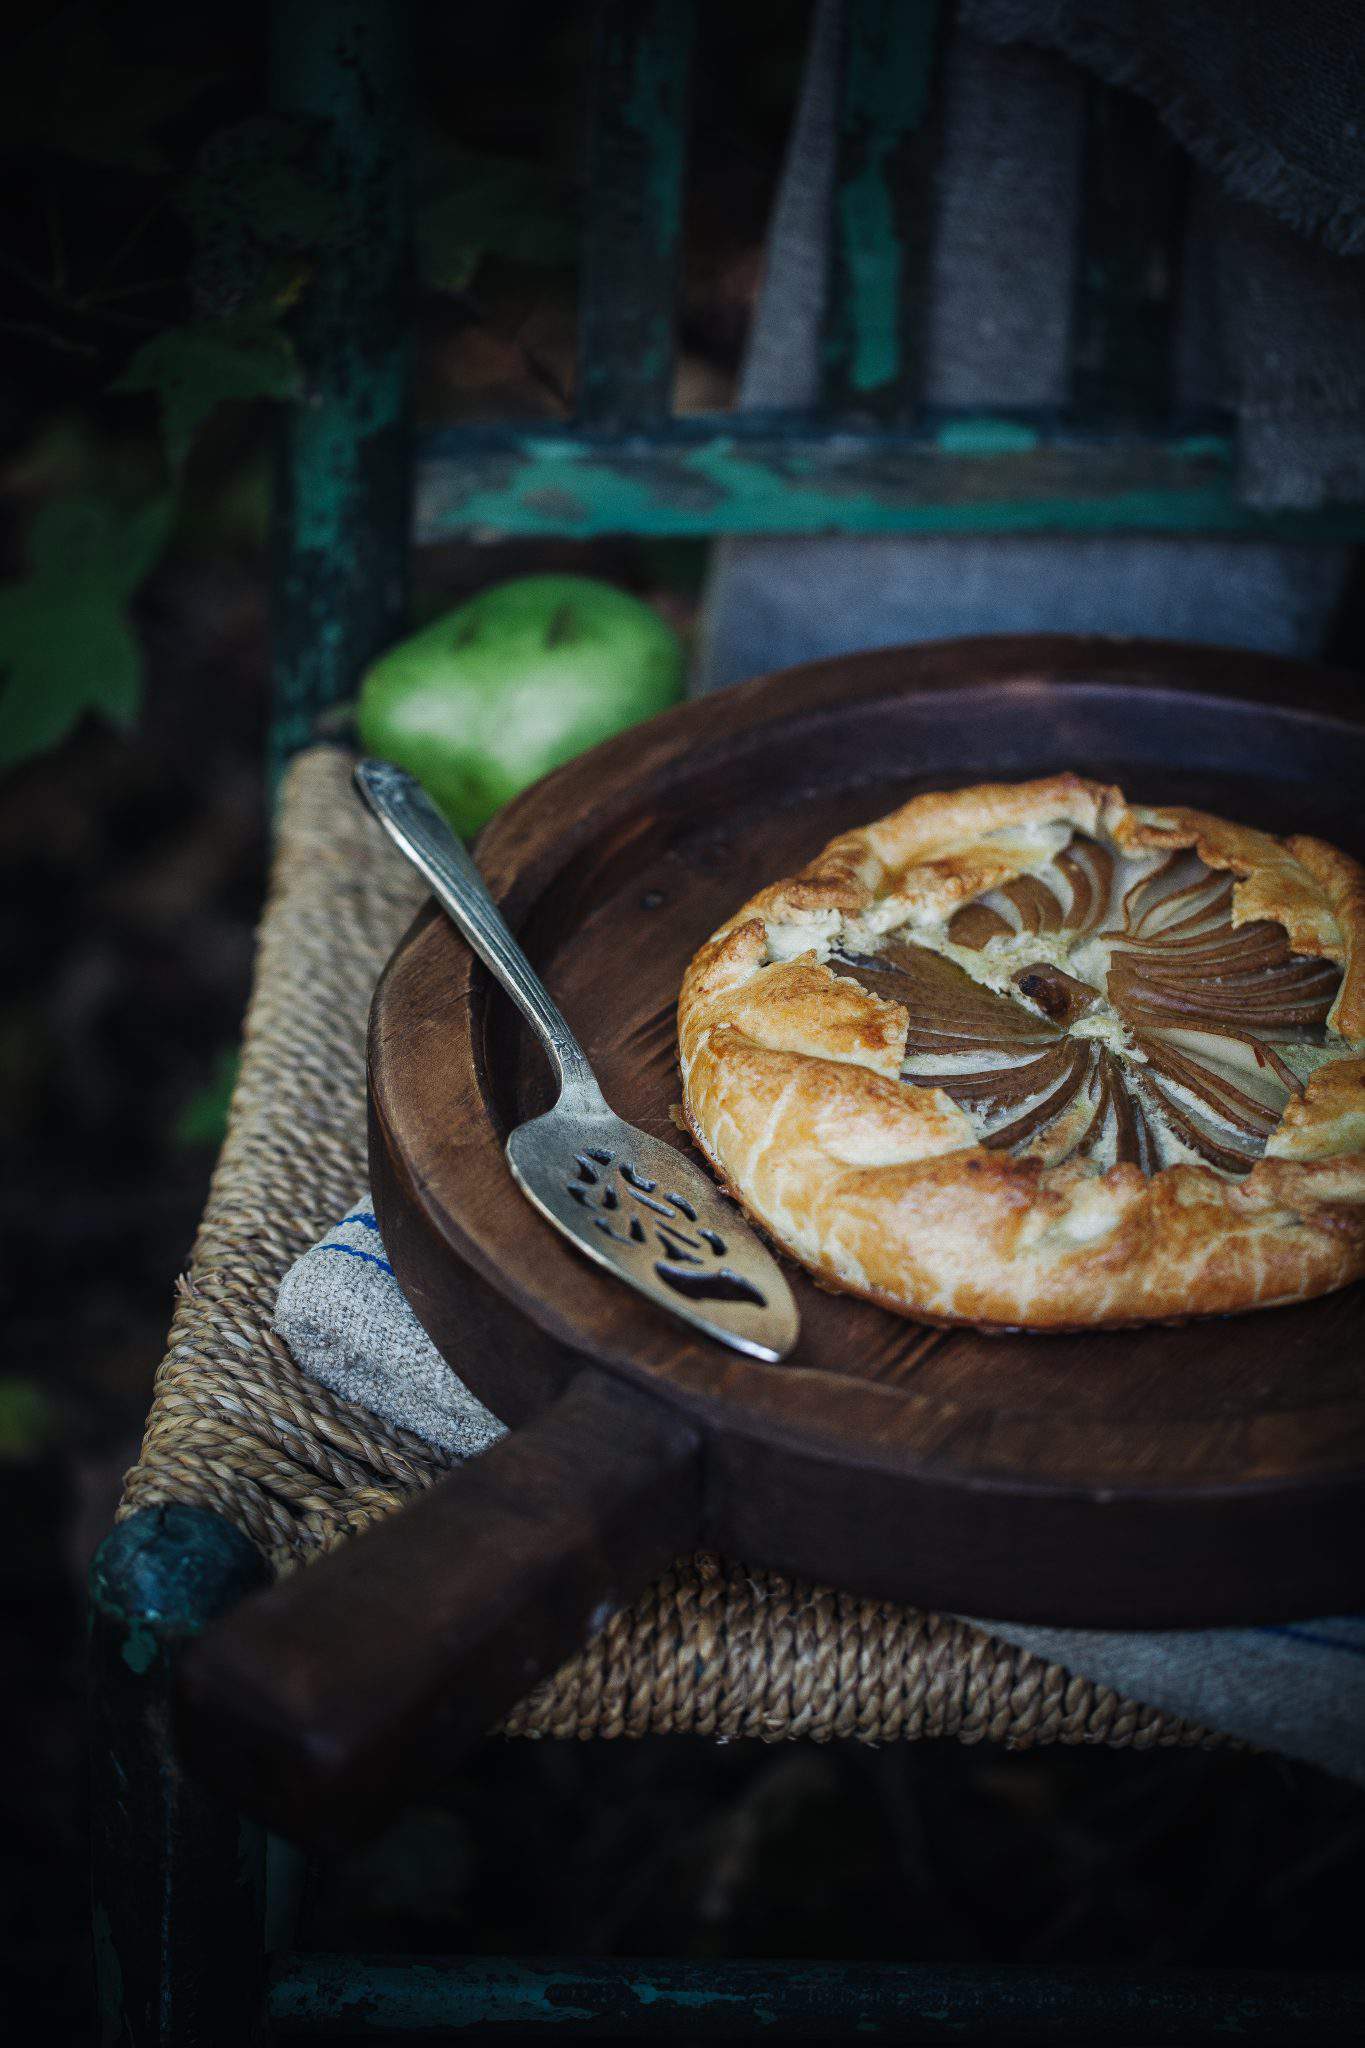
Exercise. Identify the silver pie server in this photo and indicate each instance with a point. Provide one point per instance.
(630, 1202)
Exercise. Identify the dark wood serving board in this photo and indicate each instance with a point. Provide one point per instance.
(1211, 1473)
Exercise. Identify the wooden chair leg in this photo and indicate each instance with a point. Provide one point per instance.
(178, 1876)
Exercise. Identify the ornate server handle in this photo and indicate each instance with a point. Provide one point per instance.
(419, 831)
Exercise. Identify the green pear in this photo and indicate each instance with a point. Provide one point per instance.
(494, 694)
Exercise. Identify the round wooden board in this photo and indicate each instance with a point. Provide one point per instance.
(1211, 1473)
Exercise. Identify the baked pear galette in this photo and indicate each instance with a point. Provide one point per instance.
(1030, 1055)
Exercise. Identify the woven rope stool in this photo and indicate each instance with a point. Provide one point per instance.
(712, 1649)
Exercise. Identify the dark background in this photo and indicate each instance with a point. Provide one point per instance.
(133, 867)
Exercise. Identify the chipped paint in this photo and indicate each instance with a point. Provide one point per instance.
(340, 592)
(139, 1650)
(872, 255)
(887, 66)
(973, 474)
(985, 437)
(657, 2000)
(653, 108)
(176, 1873)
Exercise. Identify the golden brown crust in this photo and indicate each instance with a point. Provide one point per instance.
(1342, 882)
(790, 1073)
(930, 853)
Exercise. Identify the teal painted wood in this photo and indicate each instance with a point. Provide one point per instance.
(343, 496)
(632, 227)
(775, 473)
(344, 1998)
(881, 213)
(1134, 182)
(178, 1877)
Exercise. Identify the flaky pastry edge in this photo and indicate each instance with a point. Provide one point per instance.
(791, 1088)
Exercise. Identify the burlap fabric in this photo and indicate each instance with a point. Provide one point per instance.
(712, 1648)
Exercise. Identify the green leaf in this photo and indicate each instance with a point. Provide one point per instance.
(203, 1119)
(478, 205)
(64, 652)
(197, 368)
(73, 539)
(65, 643)
(26, 1419)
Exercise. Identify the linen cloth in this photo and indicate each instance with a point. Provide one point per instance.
(1268, 100)
(1267, 322)
(1296, 1687)
(1265, 96)
(344, 1318)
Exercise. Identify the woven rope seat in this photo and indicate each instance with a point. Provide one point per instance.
(712, 1648)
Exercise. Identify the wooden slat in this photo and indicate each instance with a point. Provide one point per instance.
(881, 219)
(632, 238)
(780, 473)
(1133, 187)
(321, 1997)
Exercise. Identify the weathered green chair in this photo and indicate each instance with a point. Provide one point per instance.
(247, 1467)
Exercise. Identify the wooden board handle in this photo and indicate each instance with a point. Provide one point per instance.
(319, 1701)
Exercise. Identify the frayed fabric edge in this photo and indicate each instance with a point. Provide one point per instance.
(1247, 168)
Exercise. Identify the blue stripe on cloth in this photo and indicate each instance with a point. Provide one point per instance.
(360, 1216)
(1314, 1636)
(352, 1251)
